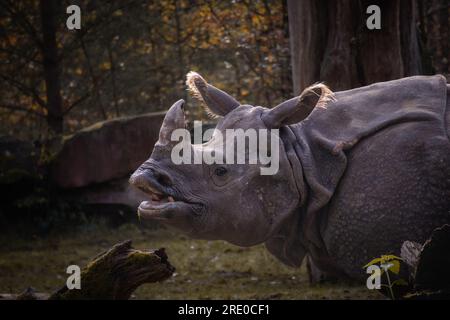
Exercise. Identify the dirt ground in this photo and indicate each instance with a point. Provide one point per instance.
(205, 269)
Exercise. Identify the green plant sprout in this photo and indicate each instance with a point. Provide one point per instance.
(389, 263)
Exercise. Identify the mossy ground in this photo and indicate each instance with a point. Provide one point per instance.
(205, 269)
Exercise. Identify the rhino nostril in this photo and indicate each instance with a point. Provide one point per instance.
(163, 179)
(148, 180)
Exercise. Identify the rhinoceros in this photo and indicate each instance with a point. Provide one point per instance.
(360, 172)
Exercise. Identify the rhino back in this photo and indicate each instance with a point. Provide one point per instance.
(377, 164)
(396, 188)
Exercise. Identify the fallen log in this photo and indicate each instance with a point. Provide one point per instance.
(112, 275)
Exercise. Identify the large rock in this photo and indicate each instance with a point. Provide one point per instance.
(107, 150)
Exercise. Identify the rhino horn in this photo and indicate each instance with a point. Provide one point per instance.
(297, 109)
(215, 101)
(174, 119)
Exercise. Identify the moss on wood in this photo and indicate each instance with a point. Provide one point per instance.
(117, 272)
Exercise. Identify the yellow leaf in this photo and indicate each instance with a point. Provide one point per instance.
(390, 257)
(118, 13)
(395, 268)
(105, 66)
(374, 261)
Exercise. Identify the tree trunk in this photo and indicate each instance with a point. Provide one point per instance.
(339, 63)
(49, 9)
(435, 31)
(330, 42)
(179, 46)
(94, 78)
(307, 39)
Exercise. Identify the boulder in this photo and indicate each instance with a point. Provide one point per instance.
(105, 151)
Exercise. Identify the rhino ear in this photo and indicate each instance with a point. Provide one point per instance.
(298, 108)
(215, 101)
(174, 119)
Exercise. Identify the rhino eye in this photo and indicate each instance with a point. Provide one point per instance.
(220, 171)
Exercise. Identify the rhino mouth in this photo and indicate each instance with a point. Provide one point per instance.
(156, 205)
(162, 205)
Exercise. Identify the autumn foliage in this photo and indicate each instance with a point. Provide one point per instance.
(131, 57)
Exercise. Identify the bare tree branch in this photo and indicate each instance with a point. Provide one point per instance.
(19, 108)
(25, 90)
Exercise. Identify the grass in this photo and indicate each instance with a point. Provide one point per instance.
(205, 269)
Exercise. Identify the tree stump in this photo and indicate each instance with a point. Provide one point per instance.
(112, 275)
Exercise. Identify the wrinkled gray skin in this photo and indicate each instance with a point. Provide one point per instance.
(358, 176)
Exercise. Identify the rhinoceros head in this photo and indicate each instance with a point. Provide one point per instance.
(227, 201)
